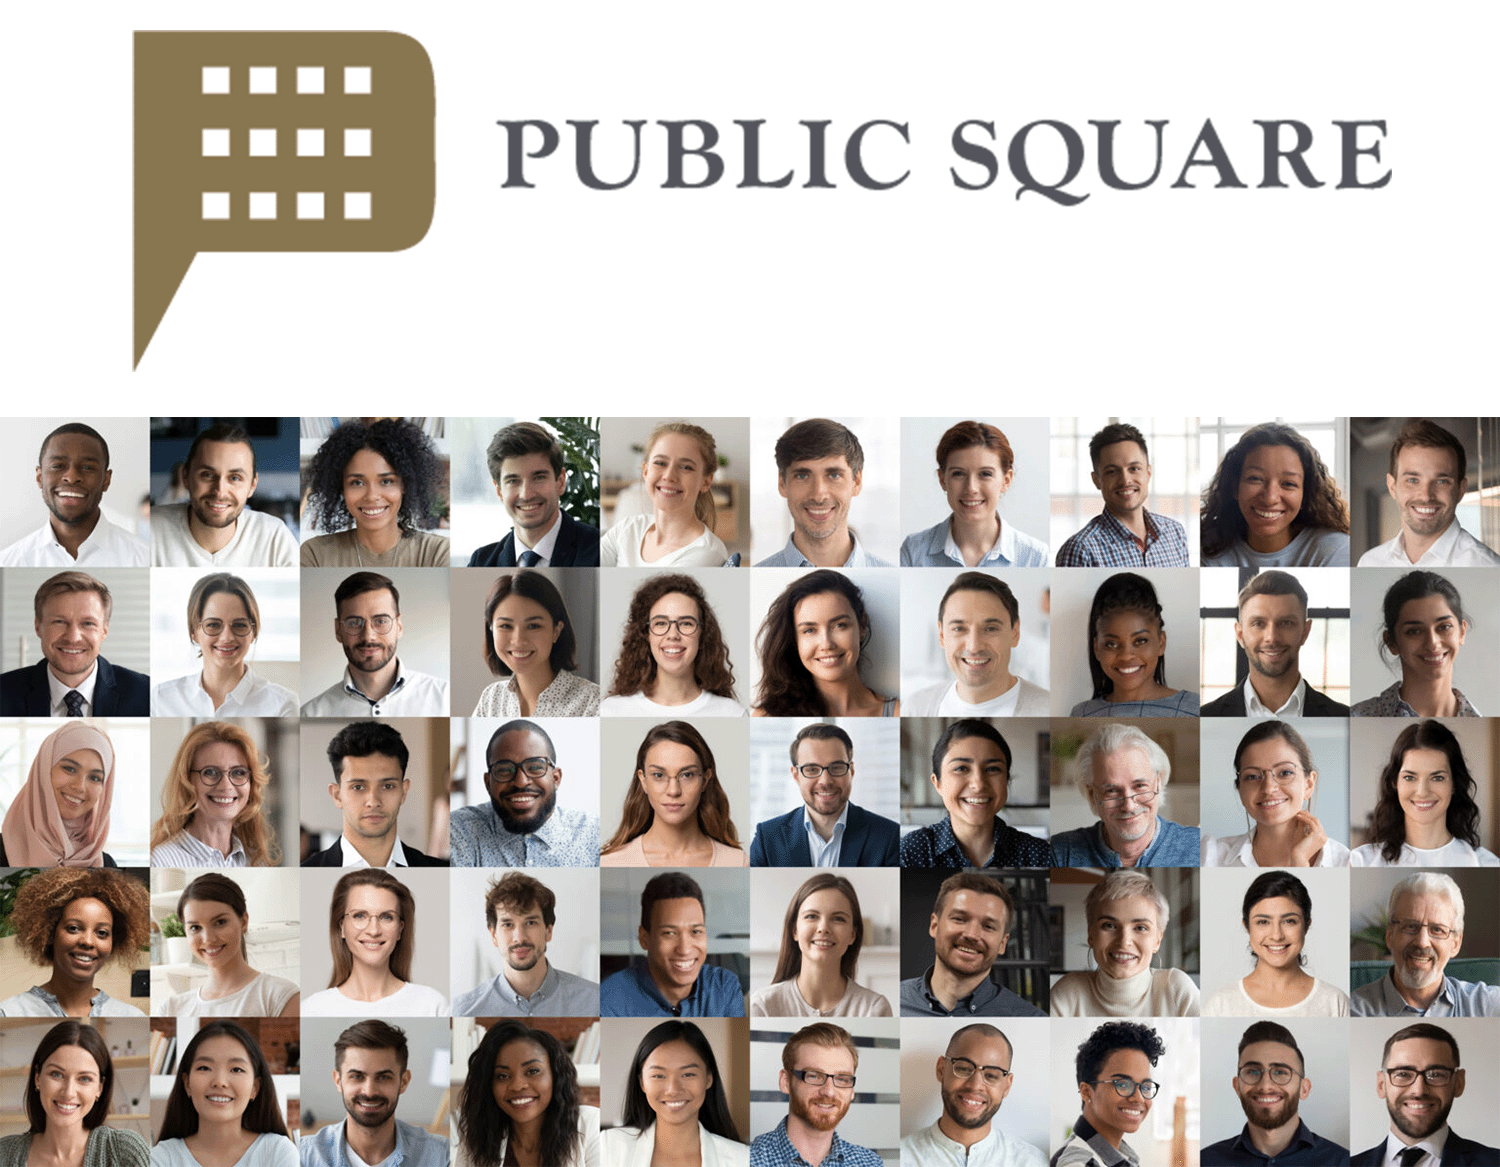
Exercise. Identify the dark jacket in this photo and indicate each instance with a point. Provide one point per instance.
(118, 692)
(1457, 1152)
(334, 857)
(577, 546)
(869, 841)
(1232, 704)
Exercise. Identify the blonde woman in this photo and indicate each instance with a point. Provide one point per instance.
(213, 803)
(678, 474)
(223, 622)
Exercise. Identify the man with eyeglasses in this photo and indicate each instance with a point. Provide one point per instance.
(827, 830)
(369, 787)
(818, 1077)
(1114, 1081)
(973, 1078)
(367, 624)
(521, 825)
(1270, 1083)
(1419, 1078)
(1424, 931)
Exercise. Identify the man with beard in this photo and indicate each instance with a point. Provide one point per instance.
(369, 1068)
(522, 825)
(1427, 480)
(73, 472)
(1424, 931)
(215, 527)
(973, 1077)
(817, 1075)
(367, 624)
(1272, 628)
(369, 786)
(1270, 1083)
(519, 912)
(970, 927)
(1419, 1078)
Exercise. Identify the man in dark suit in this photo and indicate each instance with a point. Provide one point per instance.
(827, 830)
(527, 468)
(1419, 1079)
(72, 680)
(369, 785)
(1272, 628)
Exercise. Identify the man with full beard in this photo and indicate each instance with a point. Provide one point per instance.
(817, 1074)
(522, 825)
(369, 1069)
(974, 1077)
(1270, 1083)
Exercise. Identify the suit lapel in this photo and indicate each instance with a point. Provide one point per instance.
(563, 550)
(104, 690)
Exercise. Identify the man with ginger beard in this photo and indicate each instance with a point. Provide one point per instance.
(818, 1068)
(1270, 1083)
(974, 1077)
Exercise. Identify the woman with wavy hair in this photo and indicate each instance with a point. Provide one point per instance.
(820, 942)
(213, 803)
(372, 933)
(678, 477)
(60, 816)
(673, 659)
(78, 920)
(519, 1104)
(1423, 627)
(223, 1106)
(676, 1110)
(529, 640)
(376, 487)
(1127, 647)
(1273, 503)
(810, 645)
(676, 812)
(1426, 814)
(214, 916)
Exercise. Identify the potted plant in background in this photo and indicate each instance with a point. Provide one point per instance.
(179, 951)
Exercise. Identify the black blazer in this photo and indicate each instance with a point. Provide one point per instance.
(334, 857)
(118, 692)
(1457, 1152)
(869, 841)
(577, 546)
(1232, 704)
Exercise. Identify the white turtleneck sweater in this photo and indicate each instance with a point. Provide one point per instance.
(1157, 992)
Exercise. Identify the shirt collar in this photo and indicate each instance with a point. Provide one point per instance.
(355, 691)
(648, 986)
(945, 840)
(1004, 547)
(983, 994)
(1301, 1138)
(1396, 1004)
(838, 827)
(1295, 704)
(56, 689)
(543, 546)
(1121, 531)
(1433, 1144)
(543, 990)
(1441, 550)
(786, 1153)
(352, 858)
(795, 558)
(545, 834)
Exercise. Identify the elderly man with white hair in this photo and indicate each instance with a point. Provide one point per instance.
(1122, 773)
(1424, 931)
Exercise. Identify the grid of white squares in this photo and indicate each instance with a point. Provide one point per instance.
(216, 80)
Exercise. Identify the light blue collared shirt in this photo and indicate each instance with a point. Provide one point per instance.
(935, 547)
(414, 1147)
(825, 854)
(477, 838)
(790, 556)
(1455, 999)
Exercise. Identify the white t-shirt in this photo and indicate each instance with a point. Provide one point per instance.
(621, 547)
(410, 1000)
(1237, 851)
(1023, 699)
(1456, 853)
(1232, 1001)
(265, 996)
(259, 540)
(783, 999)
(706, 704)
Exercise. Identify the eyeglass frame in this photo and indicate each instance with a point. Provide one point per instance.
(1114, 803)
(1120, 1080)
(1391, 1072)
(1411, 929)
(818, 770)
(395, 918)
(1267, 1071)
(976, 1068)
(520, 768)
(802, 1076)
(349, 625)
(674, 623)
(224, 774)
(1295, 770)
(250, 629)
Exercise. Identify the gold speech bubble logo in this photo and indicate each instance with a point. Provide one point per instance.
(275, 141)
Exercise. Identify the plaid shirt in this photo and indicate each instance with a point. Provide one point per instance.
(774, 1149)
(1104, 542)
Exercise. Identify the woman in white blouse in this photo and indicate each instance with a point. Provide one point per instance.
(223, 621)
(820, 942)
(678, 475)
(214, 916)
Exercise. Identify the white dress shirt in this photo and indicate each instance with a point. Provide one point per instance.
(253, 697)
(543, 547)
(413, 695)
(825, 854)
(1255, 707)
(58, 692)
(1433, 1144)
(106, 546)
(1455, 547)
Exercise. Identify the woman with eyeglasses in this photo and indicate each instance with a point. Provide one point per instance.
(676, 1111)
(372, 933)
(1277, 913)
(223, 622)
(673, 659)
(214, 916)
(60, 816)
(213, 803)
(1113, 1067)
(1275, 778)
(820, 942)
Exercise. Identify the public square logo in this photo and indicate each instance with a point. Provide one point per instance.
(275, 141)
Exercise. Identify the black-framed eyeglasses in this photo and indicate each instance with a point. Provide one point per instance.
(530, 767)
(685, 625)
(1411, 929)
(1126, 1087)
(213, 775)
(1143, 796)
(354, 625)
(963, 1069)
(835, 769)
(1406, 1075)
(817, 1078)
(1281, 1075)
(216, 627)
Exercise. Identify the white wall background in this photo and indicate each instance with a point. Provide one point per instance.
(1023, 1115)
(129, 462)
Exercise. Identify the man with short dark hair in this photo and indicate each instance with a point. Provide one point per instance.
(520, 912)
(530, 475)
(827, 830)
(1427, 480)
(1125, 533)
(216, 527)
(818, 1077)
(819, 467)
(974, 1077)
(73, 472)
(369, 786)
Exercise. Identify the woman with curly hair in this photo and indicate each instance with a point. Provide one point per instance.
(214, 916)
(78, 919)
(60, 816)
(820, 942)
(673, 660)
(676, 813)
(518, 1106)
(374, 487)
(1113, 1069)
(1426, 814)
(1127, 654)
(213, 803)
(1424, 626)
(810, 645)
(529, 638)
(1272, 503)
(678, 476)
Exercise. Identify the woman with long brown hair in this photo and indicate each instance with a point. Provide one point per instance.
(213, 803)
(676, 812)
(214, 915)
(673, 659)
(677, 474)
(820, 942)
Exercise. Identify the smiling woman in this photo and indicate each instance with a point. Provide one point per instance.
(677, 476)
(529, 638)
(213, 913)
(820, 942)
(213, 803)
(1127, 645)
(60, 817)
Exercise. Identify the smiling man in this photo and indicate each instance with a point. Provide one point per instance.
(1427, 480)
(1125, 533)
(1113, 1069)
(827, 830)
(820, 468)
(369, 1069)
(979, 625)
(974, 1077)
(530, 475)
(72, 472)
(818, 1076)
(72, 679)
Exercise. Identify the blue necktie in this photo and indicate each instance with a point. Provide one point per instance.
(530, 559)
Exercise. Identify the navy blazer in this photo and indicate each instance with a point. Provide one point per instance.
(118, 692)
(577, 546)
(1457, 1152)
(334, 857)
(1232, 704)
(869, 841)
